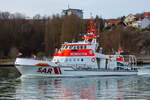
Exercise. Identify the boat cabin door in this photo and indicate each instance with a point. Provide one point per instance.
(98, 62)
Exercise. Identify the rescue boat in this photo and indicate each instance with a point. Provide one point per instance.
(79, 59)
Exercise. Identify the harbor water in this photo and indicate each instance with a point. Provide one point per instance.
(13, 87)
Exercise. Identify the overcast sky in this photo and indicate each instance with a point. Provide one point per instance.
(103, 8)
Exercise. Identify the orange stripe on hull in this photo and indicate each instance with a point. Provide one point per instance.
(42, 64)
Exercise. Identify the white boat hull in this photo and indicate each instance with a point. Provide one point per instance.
(29, 67)
(67, 72)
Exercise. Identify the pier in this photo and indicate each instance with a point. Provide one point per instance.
(10, 64)
(7, 62)
(143, 59)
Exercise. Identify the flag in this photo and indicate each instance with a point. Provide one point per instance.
(120, 50)
(20, 54)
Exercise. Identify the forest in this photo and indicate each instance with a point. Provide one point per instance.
(40, 35)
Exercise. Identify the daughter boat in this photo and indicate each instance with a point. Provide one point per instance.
(79, 59)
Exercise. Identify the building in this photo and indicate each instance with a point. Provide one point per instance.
(136, 24)
(145, 23)
(129, 19)
(70, 11)
(147, 15)
(112, 22)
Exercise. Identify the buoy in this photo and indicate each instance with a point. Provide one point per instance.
(93, 59)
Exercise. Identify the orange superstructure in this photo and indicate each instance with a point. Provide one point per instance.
(79, 52)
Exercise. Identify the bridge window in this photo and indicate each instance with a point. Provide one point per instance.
(84, 46)
(65, 47)
(78, 47)
(70, 47)
(75, 47)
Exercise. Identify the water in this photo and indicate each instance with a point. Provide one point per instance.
(12, 87)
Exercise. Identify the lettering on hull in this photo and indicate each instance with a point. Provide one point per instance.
(45, 70)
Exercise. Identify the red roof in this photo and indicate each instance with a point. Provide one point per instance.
(146, 14)
(113, 21)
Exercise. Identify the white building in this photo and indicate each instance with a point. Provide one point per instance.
(145, 23)
(70, 11)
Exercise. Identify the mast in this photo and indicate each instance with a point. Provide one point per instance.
(91, 32)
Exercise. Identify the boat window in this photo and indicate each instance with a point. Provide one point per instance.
(57, 60)
(82, 59)
(78, 59)
(66, 59)
(70, 59)
(74, 59)
(78, 47)
(54, 60)
(69, 47)
(74, 47)
(64, 46)
(85, 47)
(81, 47)
(61, 59)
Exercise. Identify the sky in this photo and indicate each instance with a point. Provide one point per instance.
(105, 8)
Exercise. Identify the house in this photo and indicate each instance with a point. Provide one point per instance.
(138, 21)
(112, 22)
(129, 19)
(70, 11)
(136, 24)
(146, 15)
(145, 23)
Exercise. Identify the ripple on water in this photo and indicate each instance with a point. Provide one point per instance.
(89, 88)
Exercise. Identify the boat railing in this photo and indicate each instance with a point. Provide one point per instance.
(130, 59)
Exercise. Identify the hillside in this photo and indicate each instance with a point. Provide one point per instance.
(40, 36)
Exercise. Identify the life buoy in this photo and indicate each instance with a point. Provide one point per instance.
(93, 59)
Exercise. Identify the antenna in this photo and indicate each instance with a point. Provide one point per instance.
(90, 14)
(68, 5)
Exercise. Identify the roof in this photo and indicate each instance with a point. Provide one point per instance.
(73, 10)
(113, 21)
(146, 14)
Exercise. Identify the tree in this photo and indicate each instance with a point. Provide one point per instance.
(52, 35)
(71, 28)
